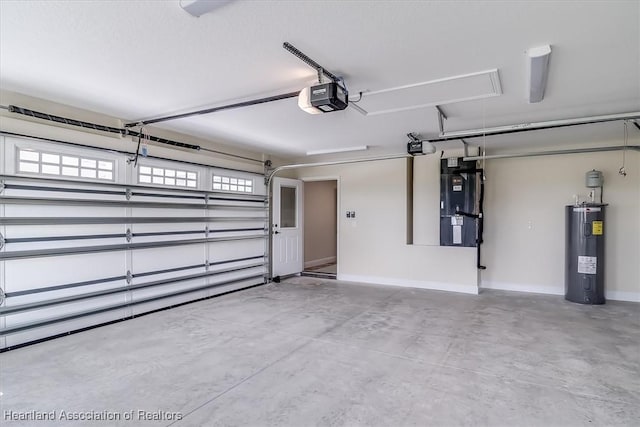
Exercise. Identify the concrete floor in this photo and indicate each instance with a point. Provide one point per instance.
(312, 352)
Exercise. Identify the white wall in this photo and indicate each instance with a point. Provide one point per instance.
(525, 221)
(320, 228)
(373, 248)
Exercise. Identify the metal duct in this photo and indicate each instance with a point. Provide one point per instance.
(526, 127)
(555, 152)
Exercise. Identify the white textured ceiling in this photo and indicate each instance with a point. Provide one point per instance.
(140, 59)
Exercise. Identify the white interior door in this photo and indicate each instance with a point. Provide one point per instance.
(287, 228)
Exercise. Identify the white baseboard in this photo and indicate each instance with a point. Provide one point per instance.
(524, 287)
(622, 296)
(451, 287)
(321, 261)
(556, 290)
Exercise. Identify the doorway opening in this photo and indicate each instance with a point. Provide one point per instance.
(321, 228)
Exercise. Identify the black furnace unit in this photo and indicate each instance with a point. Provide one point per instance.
(458, 202)
(584, 251)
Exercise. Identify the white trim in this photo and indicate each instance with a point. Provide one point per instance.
(556, 290)
(320, 261)
(421, 284)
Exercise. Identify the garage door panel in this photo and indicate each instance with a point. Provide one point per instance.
(64, 310)
(195, 211)
(146, 260)
(34, 231)
(78, 242)
(169, 288)
(190, 296)
(63, 211)
(145, 277)
(167, 302)
(23, 274)
(167, 236)
(240, 284)
(54, 329)
(235, 275)
(236, 249)
(171, 227)
(98, 251)
(67, 192)
(55, 292)
(227, 224)
(222, 211)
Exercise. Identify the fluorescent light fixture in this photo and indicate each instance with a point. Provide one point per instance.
(538, 71)
(338, 150)
(304, 102)
(200, 7)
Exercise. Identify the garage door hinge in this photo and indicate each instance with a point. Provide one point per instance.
(129, 235)
(206, 199)
(1, 241)
(1, 296)
(206, 265)
(267, 171)
(206, 231)
(128, 193)
(1, 186)
(129, 277)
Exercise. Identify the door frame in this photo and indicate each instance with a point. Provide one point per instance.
(338, 210)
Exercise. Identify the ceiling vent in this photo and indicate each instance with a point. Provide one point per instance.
(466, 87)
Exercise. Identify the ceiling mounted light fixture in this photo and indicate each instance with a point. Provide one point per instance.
(538, 71)
(304, 102)
(418, 146)
(200, 7)
(338, 150)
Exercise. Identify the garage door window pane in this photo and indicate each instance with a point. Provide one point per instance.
(88, 163)
(29, 167)
(32, 156)
(232, 184)
(167, 177)
(66, 165)
(70, 161)
(50, 158)
(288, 207)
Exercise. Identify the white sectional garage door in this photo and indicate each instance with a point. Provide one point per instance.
(87, 238)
